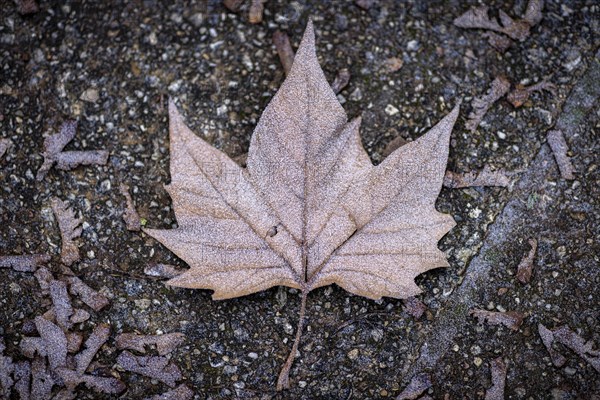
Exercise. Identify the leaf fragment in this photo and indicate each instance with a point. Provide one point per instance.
(181, 392)
(525, 267)
(165, 343)
(485, 177)
(155, 367)
(94, 299)
(559, 147)
(510, 319)
(130, 216)
(24, 263)
(415, 307)
(341, 80)
(70, 229)
(62, 304)
(520, 94)
(565, 336)
(481, 104)
(498, 368)
(54, 341)
(166, 271)
(418, 384)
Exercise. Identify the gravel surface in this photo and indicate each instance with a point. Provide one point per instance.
(112, 66)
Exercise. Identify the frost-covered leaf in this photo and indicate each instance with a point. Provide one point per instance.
(130, 216)
(525, 267)
(510, 319)
(485, 177)
(498, 368)
(181, 392)
(310, 209)
(418, 384)
(24, 263)
(155, 367)
(97, 301)
(165, 343)
(70, 229)
(482, 104)
(559, 147)
(573, 341)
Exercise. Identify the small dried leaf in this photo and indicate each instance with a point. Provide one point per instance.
(559, 147)
(163, 270)
(255, 15)
(89, 296)
(482, 104)
(101, 384)
(164, 343)
(496, 392)
(55, 342)
(24, 263)
(521, 93)
(341, 80)
(44, 277)
(525, 267)
(233, 5)
(155, 367)
(98, 337)
(74, 340)
(548, 338)
(510, 319)
(418, 384)
(62, 304)
(577, 344)
(498, 42)
(393, 64)
(284, 50)
(130, 216)
(41, 379)
(181, 392)
(485, 177)
(415, 307)
(70, 229)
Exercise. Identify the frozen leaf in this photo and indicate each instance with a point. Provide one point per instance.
(74, 340)
(525, 267)
(79, 316)
(22, 376)
(55, 342)
(485, 177)
(521, 93)
(478, 17)
(70, 229)
(341, 80)
(559, 147)
(310, 209)
(98, 337)
(163, 271)
(62, 304)
(548, 338)
(510, 319)
(155, 367)
(415, 307)
(24, 263)
(6, 370)
(181, 392)
(4, 145)
(44, 277)
(130, 216)
(89, 296)
(32, 345)
(66, 160)
(498, 368)
(41, 379)
(101, 384)
(164, 343)
(284, 50)
(418, 384)
(570, 339)
(482, 104)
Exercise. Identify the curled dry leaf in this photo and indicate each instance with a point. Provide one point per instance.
(498, 368)
(478, 17)
(482, 104)
(95, 300)
(130, 216)
(181, 392)
(164, 343)
(66, 160)
(310, 209)
(155, 367)
(418, 384)
(485, 177)
(70, 229)
(510, 319)
(24, 263)
(573, 341)
(284, 50)
(4, 145)
(525, 267)
(165, 271)
(521, 93)
(341, 80)
(559, 147)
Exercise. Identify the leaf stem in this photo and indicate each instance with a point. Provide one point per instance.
(283, 382)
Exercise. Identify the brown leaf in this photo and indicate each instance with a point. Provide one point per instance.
(98, 337)
(310, 209)
(510, 319)
(55, 342)
(154, 367)
(62, 304)
(181, 392)
(576, 343)
(53, 154)
(485, 177)
(255, 14)
(97, 301)
(482, 104)
(41, 379)
(70, 228)
(521, 93)
(418, 384)
(24, 263)
(341, 80)
(559, 147)
(548, 338)
(525, 267)
(415, 307)
(163, 271)
(164, 343)
(496, 392)
(130, 216)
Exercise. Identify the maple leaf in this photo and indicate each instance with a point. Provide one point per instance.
(310, 209)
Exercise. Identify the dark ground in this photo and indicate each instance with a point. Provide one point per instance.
(222, 71)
